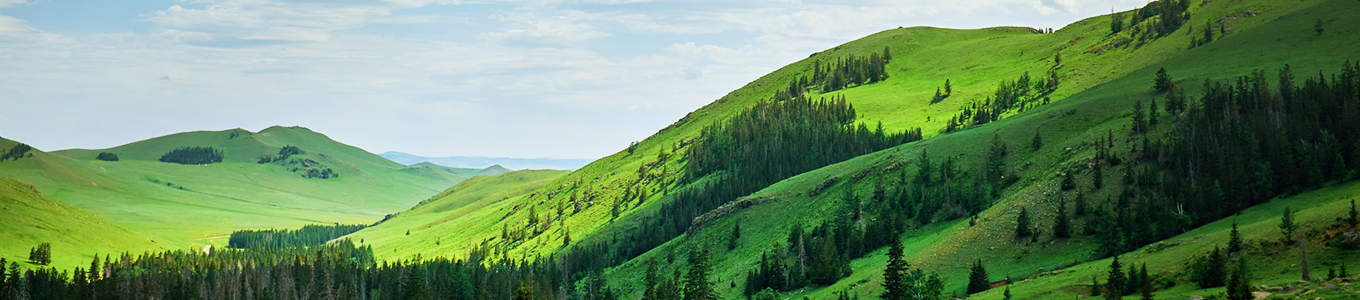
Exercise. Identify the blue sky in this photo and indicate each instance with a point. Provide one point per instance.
(562, 79)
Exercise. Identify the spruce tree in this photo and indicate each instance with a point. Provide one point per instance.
(1116, 23)
(893, 284)
(1213, 275)
(948, 90)
(1152, 112)
(1318, 27)
(1145, 282)
(1163, 81)
(1038, 141)
(1139, 121)
(1355, 216)
(1287, 225)
(697, 284)
(1097, 176)
(736, 234)
(1007, 294)
(977, 279)
(1095, 287)
(1239, 288)
(1022, 224)
(1061, 226)
(1234, 240)
(1114, 286)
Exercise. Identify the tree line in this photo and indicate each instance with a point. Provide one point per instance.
(308, 235)
(16, 152)
(759, 146)
(1020, 94)
(193, 156)
(1239, 144)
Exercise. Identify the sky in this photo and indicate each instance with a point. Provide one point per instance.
(519, 78)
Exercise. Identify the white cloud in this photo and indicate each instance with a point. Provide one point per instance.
(406, 75)
(8, 3)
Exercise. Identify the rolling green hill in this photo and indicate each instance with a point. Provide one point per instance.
(196, 205)
(1102, 76)
(76, 236)
(435, 228)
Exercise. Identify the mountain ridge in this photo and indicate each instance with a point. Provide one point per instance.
(483, 162)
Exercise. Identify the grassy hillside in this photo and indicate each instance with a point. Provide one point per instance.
(1103, 89)
(1102, 74)
(434, 227)
(76, 236)
(195, 205)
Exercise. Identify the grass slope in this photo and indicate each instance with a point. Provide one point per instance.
(76, 236)
(439, 226)
(191, 205)
(1097, 93)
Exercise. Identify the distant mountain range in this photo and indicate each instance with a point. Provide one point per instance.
(483, 162)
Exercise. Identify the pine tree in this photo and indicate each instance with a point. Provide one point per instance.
(1234, 240)
(948, 89)
(1139, 121)
(1097, 177)
(1163, 81)
(1152, 112)
(977, 279)
(1239, 288)
(697, 284)
(1212, 275)
(1144, 283)
(1116, 23)
(1318, 27)
(893, 283)
(1355, 216)
(1038, 141)
(1022, 224)
(566, 237)
(1114, 286)
(1095, 287)
(736, 234)
(1061, 226)
(1287, 225)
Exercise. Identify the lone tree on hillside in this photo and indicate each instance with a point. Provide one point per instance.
(1318, 27)
(1355, 216)
(1287, 225)
(1163, 81)
(1038, 141)
(977, 279)
(107, 156)
(1234, 240)
(1022, 224)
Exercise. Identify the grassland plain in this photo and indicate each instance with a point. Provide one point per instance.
(1101, 79)
(76, 236)
(198, 205)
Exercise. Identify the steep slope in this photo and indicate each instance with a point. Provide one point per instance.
(192, 205)
(1102, 75)
(431, 228)
(1272, 37)
(76, 236)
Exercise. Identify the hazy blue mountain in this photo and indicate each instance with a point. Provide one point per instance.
(483, 162)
